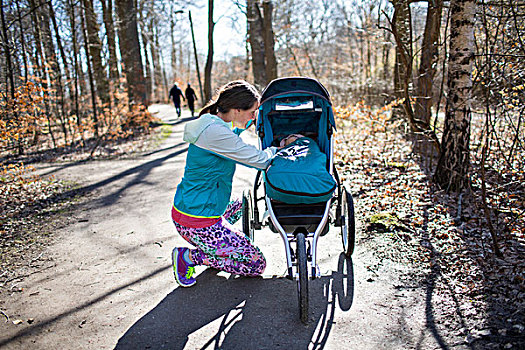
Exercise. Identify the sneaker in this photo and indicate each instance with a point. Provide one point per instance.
(181, 269)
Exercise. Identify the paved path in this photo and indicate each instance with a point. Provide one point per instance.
(107, 283)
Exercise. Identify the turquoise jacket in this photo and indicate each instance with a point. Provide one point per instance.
(213, 153)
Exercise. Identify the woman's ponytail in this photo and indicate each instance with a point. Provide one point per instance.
(211, 107)
(235, 94)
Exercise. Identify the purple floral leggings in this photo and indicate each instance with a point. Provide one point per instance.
(223, 247)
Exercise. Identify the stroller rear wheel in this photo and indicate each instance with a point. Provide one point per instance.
(247, 214)
(302, 282)
(347, 223)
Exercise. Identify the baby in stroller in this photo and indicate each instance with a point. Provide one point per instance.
(297, 173)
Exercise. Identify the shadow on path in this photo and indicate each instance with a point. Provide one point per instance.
(37, 327)
(248, 313)
(140, 171)
(56, 169)
(175, 121)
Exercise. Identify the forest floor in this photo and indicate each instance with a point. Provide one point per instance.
(442, 238)
(431, 244)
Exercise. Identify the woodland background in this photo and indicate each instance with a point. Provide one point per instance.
(448, 76)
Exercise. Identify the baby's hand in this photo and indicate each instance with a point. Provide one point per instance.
(289, 139)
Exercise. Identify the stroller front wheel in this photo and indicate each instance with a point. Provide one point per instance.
(302, 282)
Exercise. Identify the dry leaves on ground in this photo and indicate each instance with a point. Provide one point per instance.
(441, 237)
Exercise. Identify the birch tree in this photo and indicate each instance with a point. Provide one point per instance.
(453, 165)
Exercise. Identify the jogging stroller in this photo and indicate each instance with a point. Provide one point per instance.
(295, 208)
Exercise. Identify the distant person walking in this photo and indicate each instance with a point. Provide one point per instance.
(175, 95)
(191, 97)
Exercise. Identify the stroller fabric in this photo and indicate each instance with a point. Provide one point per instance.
(297, 119)
(297, 174)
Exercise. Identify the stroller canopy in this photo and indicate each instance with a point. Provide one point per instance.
(284, 86)
(296, 105)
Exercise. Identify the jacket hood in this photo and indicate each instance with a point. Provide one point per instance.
(194, 128)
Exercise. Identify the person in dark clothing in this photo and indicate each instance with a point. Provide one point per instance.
(191, 97)
(175, 95)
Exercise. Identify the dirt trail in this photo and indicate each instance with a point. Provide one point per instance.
(106, 282)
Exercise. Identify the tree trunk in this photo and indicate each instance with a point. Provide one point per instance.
(386, 57)
(130, 51)
(90, 74)
(269, 42)
(47, 42)
(107, 15)
(95, 50)
(362, 69)
(22, 42)
(367, 38)
(247, 60)
(402, 30)
(55, 79)
(256, 39)
(453, 165)
(145, 33)
(173, 50)
(9, 70)
(7, 51)
(42, 48)
(60, 86)
(156, 57)
(59, 42)
(209, 60)
(420, 121)
(146, 46)
(429, 58)
(196, 59)
(75, 54)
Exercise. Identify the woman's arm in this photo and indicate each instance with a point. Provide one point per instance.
(222, 141)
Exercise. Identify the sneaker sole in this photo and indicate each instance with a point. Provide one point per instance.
(174, 257)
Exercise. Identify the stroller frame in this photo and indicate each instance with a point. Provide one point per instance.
(300, 225)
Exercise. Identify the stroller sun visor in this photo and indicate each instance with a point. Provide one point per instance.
(294, 104)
